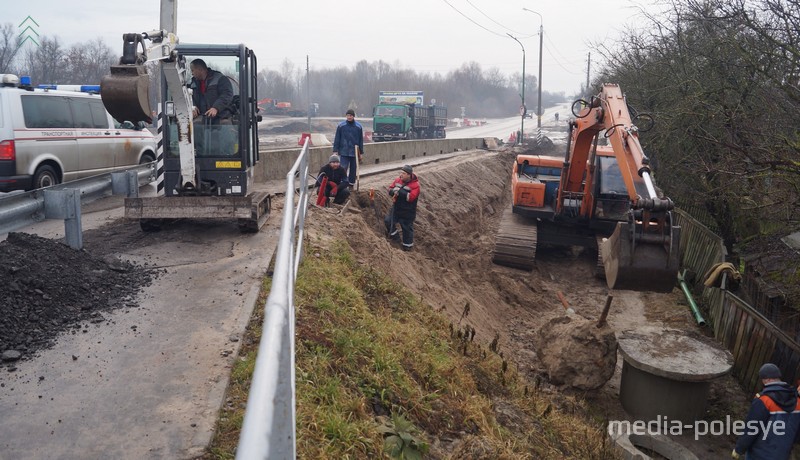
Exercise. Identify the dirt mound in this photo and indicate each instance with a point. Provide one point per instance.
(576, 353)
(543, 146)
(49, 288)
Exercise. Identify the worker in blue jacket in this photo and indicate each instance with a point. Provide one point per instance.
(349, 135)
(773, 422)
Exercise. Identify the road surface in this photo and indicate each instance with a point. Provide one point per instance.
(502, 128)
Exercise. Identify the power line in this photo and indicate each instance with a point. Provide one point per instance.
(523, 36)
(471, 20)
(520, 34)
(572, 62)
(559, 63)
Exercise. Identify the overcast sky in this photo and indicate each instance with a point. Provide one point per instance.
(424, 35)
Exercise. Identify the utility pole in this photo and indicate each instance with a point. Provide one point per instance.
(588, 68)
(308, 97)
(522, 109)
(541, 46)
(539, 108)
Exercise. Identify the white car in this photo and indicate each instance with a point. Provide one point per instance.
(49, 136)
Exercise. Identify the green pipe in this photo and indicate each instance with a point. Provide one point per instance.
(695, 310)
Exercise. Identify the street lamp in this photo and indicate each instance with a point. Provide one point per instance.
(541, 37)
(521, 109)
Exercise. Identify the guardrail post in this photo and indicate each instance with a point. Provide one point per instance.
(66, 204)
(125, 183)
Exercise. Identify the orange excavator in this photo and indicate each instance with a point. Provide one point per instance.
(600, 196)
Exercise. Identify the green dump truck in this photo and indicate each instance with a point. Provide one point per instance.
(402, 115)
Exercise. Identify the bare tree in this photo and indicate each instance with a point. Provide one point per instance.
(721, 80)
(86, 63)
(9, 46)
(45, 63)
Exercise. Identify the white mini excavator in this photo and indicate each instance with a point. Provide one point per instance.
(204, 165)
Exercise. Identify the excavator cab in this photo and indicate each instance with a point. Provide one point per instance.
(638, 247)
(205, 164)
(226, 146)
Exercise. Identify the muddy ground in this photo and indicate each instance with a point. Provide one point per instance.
(449, 268)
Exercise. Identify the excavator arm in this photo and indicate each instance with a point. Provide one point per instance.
(642, 252)
(126, 92)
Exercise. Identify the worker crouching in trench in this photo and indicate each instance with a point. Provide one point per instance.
(332, 182)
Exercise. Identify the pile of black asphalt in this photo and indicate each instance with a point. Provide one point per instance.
(49, 288)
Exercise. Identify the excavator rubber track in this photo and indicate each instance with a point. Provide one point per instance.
(515, 243)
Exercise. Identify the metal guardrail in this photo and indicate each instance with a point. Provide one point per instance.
(63, 201)
(268, 430)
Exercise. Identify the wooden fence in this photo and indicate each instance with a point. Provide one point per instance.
(749, 335)
(700, 248)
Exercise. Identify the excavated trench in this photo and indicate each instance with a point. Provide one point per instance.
(461, 203)
(450, 268)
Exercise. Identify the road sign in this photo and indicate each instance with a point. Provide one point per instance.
(522, 110)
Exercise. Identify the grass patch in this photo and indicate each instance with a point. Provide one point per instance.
(382, 375)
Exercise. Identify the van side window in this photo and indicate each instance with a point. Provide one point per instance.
(82, 113)
(99, 116)
(46, 112)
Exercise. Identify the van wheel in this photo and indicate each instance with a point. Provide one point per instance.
(45, 176)
(147, 158)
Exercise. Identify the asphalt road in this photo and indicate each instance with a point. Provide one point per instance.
(503, 127)
(148, 383)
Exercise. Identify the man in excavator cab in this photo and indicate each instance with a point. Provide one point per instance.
(212, 92)
(213, 101)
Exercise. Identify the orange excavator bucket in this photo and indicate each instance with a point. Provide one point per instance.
(126, 93)
(641, 261)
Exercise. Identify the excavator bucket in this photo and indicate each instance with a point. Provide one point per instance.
(639, 262)
(126, 93)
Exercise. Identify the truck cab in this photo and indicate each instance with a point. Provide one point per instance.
(391, 122)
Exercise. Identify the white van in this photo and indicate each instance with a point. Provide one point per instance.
(52, 136)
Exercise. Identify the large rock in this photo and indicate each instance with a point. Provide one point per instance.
(576, 353)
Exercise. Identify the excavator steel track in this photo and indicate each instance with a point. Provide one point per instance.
(515, 243)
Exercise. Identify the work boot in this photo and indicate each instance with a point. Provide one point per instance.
(407, 248)
(395, 235)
